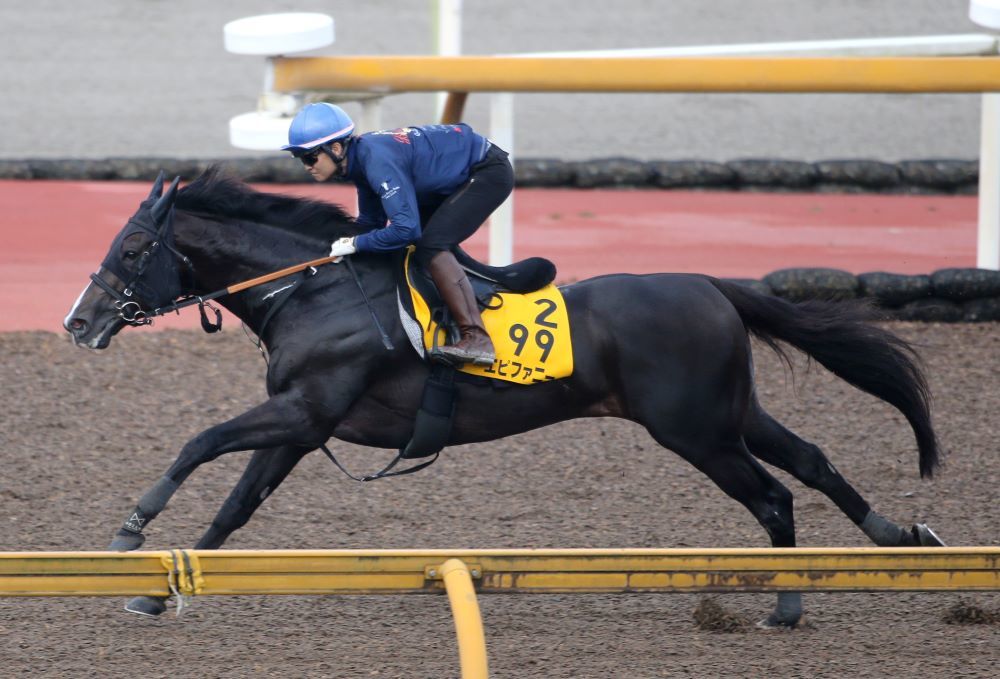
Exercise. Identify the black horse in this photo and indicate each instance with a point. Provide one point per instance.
(669, 351)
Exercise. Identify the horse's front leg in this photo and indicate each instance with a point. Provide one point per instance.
(282, 420)
(263, 474)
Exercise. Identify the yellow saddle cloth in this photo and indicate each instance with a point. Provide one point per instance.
(530, 333)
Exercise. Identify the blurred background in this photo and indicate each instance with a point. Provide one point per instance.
(124, 88)
(152, 78)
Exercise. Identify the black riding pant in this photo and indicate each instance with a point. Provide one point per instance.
(447, 223)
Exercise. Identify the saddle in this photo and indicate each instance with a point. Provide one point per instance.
(522, 277)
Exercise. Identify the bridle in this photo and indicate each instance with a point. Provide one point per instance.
(130, 309)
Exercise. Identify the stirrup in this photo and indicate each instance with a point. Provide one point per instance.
(452, 356)
(436, 355)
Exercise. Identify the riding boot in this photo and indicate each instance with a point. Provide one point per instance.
(456, 291)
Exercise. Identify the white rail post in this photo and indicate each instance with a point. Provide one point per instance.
(447, 39)
(988, 242)
(502, 221)
(371, 115)
(987, 13)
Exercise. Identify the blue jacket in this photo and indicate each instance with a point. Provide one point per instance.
(398, 171)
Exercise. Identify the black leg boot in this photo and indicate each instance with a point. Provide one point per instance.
(475, 347)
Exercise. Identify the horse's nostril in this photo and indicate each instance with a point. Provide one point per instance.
(78, 325)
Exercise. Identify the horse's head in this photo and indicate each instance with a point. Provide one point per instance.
(139, 274)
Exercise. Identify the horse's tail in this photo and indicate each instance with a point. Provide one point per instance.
(841, 336)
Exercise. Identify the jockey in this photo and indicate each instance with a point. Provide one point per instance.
(431, 186)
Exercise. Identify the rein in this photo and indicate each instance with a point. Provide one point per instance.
(239, 287)
(133, 314)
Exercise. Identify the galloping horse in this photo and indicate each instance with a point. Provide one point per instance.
(668, 351)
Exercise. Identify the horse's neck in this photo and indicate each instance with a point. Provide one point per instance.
(225, 253)
(229, 252)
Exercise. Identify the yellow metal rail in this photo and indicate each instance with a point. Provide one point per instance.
(519, 570)
(386, 75)
(189, 572)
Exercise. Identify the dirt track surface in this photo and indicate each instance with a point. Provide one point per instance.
(83, 435)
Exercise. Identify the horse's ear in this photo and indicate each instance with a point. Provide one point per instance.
(158, 185)
(162, 206)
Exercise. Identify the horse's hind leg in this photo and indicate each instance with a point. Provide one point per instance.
(771, 442)
(263, 474)
(731, 466)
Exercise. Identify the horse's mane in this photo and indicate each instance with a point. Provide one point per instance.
(214, 193)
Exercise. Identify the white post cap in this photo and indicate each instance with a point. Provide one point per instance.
(273, 34)
(985, 13)
(259, 132)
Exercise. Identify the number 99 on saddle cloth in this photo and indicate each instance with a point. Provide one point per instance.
(530, 330)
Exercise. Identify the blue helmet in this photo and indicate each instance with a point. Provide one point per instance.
(318, 124)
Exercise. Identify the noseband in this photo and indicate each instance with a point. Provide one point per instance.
(129, 310)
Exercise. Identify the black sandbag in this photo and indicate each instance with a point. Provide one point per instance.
(870, 174)
(941, 175)
(774, 173)
(932, 309)
(675, 174)
(543, 172)
(961, 285)
(981, 310)
(893, 289)
(798, 285)
(611, 172)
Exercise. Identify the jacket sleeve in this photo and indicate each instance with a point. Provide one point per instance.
(398, 200)
(370, 212)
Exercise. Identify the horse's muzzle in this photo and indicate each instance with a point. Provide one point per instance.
(83, 335)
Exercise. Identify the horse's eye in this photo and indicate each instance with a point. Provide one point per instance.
(130, 254)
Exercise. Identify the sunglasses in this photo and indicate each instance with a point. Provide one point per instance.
(310, 157)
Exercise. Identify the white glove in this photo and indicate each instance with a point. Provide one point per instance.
(343, 246)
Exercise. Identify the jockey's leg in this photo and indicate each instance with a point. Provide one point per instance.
(455, 219)
(475, 346)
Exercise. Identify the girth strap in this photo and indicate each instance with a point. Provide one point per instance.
(385, 473)
(432, 425)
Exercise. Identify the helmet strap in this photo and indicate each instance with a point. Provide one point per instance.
(338, 159)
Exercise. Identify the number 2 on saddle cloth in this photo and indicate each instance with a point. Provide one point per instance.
(530, 333)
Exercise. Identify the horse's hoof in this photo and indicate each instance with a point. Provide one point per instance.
(147, 605)
(925, 537)
(777, 622)
(773, 622)
(786, 614)
(126, 541)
